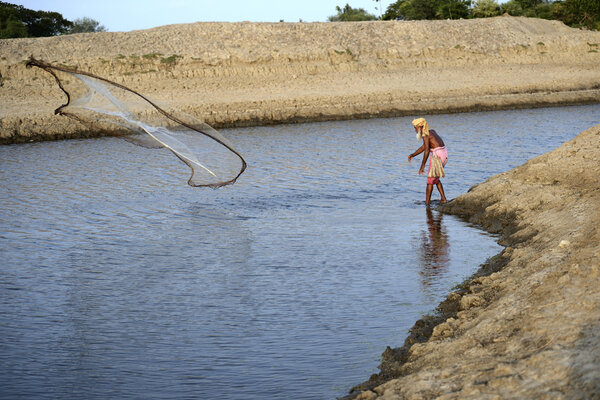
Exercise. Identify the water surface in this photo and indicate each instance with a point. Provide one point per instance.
(118, 280)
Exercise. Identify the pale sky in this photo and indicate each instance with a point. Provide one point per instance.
(126, 15)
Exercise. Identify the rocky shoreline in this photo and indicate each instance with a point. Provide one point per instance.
(241, 74)
(527, 324)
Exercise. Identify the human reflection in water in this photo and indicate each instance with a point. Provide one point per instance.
(434, 251)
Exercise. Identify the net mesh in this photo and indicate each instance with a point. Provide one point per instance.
(120, 111)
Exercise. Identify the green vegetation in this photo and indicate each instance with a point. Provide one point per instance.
(428, 9)
(486, 9)
(152, 56)
(575, 13)
(85, 24)
(351, 14)
(17, 22)
(171, 59)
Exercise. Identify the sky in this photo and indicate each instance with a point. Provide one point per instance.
(127, 15)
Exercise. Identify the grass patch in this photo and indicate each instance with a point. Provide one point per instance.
(592, 51)
(593, 44)
(171, 59)
(458, 46)
(540, 43)
(339, 51)
(147, 71)
(120, 57)
(152, 56)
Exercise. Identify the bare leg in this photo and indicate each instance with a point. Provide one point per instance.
(428, 194)
(441, 190)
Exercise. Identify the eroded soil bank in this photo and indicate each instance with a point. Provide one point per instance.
(528, 324)
(237, 74)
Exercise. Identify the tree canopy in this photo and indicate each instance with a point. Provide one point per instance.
(85, 24)
(17, 22)
(351, 14)
(576, 13)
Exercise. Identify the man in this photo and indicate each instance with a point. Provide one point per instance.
(432, 143)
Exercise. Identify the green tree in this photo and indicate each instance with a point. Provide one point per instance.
(412, 9)
(543, 10)
(85, 24)
(351, 14)
(578, 13)
(37, 23)
(428, 9)
(512, 7)
(12, 28)
(453, 9)
(486, 8)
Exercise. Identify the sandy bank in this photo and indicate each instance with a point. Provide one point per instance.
(528, 324)
(236, 74)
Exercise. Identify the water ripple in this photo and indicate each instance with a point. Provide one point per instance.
(120, 281)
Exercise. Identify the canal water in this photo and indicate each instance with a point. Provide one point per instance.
(117, 280)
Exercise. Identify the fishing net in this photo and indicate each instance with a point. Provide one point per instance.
(120, 111)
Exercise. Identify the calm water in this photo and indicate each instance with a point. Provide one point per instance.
(117, 280)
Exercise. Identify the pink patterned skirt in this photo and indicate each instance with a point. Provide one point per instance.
(442, 153)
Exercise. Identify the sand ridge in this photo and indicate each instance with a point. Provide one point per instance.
(239, 74)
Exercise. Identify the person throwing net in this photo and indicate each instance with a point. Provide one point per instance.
(434, 145)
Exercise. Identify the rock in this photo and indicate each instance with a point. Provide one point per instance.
(564, 243)
(470, 300)
(367, 395)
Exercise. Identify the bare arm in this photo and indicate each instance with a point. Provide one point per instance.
(416, 153)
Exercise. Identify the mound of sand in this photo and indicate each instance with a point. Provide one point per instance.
(234, 74)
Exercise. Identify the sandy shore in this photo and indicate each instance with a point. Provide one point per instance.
(528, 325)
(237, 74)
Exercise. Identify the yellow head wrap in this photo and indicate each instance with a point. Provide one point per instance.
(421, 122)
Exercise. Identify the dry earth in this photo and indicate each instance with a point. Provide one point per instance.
(235, 74)
(528, 325)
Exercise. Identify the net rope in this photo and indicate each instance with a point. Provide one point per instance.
(117, 110)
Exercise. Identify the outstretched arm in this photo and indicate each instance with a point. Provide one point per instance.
(416, 153)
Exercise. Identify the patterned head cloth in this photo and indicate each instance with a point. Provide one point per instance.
(421, 122)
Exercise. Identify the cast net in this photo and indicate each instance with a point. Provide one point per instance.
(119, 111)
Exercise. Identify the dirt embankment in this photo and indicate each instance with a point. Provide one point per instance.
(528, 325)
(235, 74)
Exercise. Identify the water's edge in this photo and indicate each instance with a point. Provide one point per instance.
(392, 360)
(490, 206)
(501, 102)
